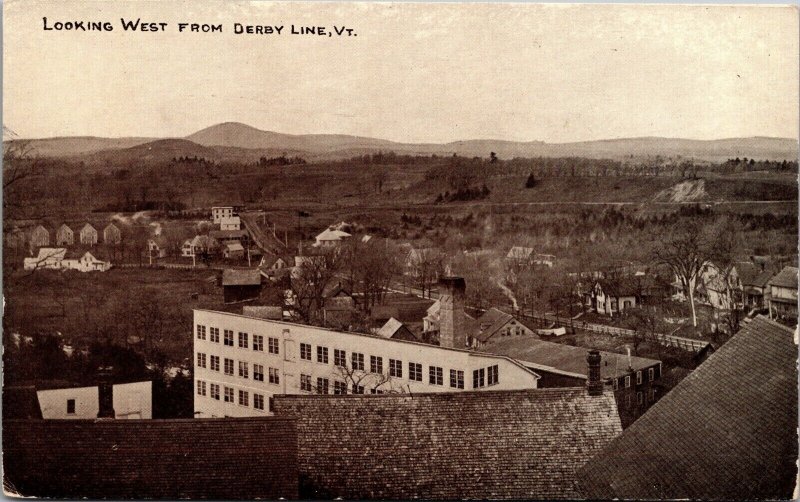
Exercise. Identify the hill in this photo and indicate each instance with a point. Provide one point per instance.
(236, 141)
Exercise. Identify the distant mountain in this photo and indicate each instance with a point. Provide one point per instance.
(234, 134)
(235, 141)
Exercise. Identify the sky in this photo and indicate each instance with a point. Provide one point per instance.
(413, 72)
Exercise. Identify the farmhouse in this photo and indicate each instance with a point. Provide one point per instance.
(112, 234)
(754, 279)
(88, 235)
(330, 238)
(64, 236)
(158, 246)
(48, 258)
(728, 431)
(40, 237)
(610, 297)
(198, 245)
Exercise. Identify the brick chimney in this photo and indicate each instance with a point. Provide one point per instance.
(452, 330)
(594, 384)
(106, 393)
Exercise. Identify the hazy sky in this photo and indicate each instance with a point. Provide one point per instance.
(414, 72)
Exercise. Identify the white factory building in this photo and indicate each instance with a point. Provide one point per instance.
(242, 361)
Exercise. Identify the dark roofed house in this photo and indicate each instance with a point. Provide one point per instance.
(494, 324)
(241, 285)
(498, 444)
(728, 431)
(634, 380)
(151, 459)
(783, 295)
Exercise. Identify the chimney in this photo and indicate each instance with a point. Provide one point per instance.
(106, 393)
(594, 384)
(452, 332)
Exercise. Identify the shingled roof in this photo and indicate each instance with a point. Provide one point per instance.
(491, 444)
(241, 277)
(727, 431)
(786, 278)
(159, 459)
(566, 358)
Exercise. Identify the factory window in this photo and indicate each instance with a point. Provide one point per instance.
(376, 364)
(228, 395)
(215, 391)
(322, 354)
(242, 340)
(273, 346)
(478, 378)
(322, 385)
(305, 351)
(358, 361)
(258, 401)
(339, 387)
(244, 398)
(228, 366)
(201, 332)
(258, 343)
(457, 379)
(375, 391)
(70, 406)
(201, 388)
(215, 363)
(228, 338)
(305, 383)
(415, 372)
(274, 377)
(435, 375)
(258, 373)
(396, 368)
(358, 389)
(494, 375)
(214, 335)
(201, 360)
(243, 370)
(339, 358)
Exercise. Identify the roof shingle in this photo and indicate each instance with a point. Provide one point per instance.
(489, 444)
(727, 431)
(160, 459)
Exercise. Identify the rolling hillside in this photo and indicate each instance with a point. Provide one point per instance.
(235, 141)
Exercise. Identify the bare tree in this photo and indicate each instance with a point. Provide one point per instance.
(310, 278)
(687, 252)
(426, 264)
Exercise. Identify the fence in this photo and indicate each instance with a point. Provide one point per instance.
(688, 344)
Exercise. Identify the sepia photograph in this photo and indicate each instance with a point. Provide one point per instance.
(394, 250)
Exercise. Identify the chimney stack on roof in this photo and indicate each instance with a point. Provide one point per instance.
(106, 393)
(452, 320)
(594, 384)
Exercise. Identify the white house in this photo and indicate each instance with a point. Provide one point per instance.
(330, 238)
(242, 361)
(130, 401)
(88, 263)
(50, 258)
(220, 212)
(198, 244)
(88, 235)
(158, 246)
(230, 223)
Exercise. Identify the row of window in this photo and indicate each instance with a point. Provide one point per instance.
(485, 377)
(228, 394)
(244, 369)
(651, 376)
(273, 344)
(651, 397)
(323, 386)
(435, 373)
